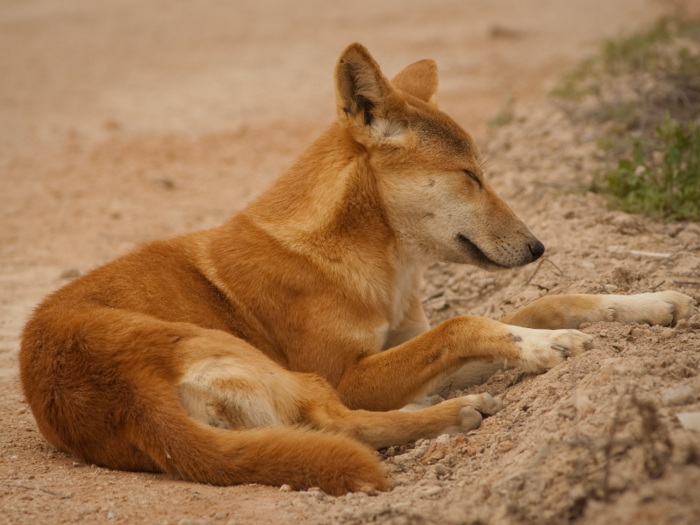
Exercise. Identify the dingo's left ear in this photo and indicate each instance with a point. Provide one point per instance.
(367, 102)
(420, 79)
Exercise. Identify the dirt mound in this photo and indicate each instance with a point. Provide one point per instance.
(596, 439)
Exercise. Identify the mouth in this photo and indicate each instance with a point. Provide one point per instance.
(480, 258)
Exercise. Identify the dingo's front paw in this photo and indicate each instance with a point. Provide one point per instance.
(660, 308)
(676, 306)
(544, 349)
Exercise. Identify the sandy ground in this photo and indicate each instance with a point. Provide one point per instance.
(140, 119)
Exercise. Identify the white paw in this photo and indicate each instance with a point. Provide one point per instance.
(678, 306)
(545, 349)
(660, 308)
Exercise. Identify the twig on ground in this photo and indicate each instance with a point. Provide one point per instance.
(53, 493)
(652, 254)
(561, 273)
(687, 283)
(657, 285)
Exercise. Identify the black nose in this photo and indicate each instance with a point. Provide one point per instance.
(536, 249)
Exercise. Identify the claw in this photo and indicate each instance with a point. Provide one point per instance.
(564, 351)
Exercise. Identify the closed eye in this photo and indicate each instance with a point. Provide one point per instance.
(473, 176)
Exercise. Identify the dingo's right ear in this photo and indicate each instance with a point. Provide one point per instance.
(419, 79)
(366, 101)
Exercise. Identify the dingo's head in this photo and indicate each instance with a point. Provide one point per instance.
(428, 170)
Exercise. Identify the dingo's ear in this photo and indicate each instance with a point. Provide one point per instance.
(420, 79)
(367, 102)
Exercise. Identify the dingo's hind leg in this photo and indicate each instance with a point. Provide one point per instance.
(237, 387)
(124, 410)
(395, 427)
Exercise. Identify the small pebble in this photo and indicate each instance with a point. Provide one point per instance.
(443, 439)
(441, 470)
(681, 395)
(402, 506)
(317, 493)
(667, 333)
(637, 332)
(689, 420)
(438, 305)
(427, 492)
(505, 446)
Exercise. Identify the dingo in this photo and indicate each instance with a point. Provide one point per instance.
(278, 347)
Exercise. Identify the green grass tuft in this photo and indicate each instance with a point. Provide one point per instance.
(669, 189)
(638, 51)
(643, 91)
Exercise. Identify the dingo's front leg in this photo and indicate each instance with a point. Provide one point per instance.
(395, 377)
(569, 311)
(544, 349)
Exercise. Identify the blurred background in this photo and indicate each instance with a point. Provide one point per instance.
(90, 68)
